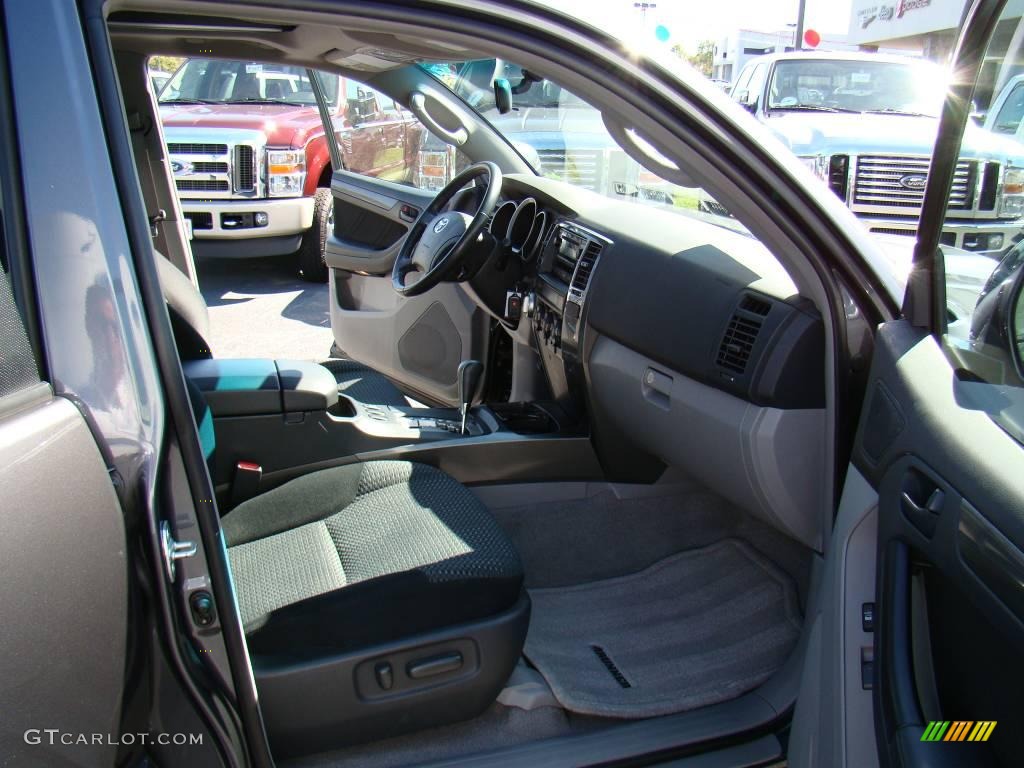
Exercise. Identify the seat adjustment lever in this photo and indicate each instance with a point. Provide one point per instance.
(436, 665)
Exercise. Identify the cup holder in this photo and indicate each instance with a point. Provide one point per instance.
(343, 409)
(524, 418)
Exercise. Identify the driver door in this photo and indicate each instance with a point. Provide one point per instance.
(919, 641)
(418, 342)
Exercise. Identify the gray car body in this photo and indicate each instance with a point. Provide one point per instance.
(81, 240)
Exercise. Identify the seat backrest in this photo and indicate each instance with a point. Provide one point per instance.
(190, 318)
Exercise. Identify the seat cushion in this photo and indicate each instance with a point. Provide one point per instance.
(364, 384)
(348, 557)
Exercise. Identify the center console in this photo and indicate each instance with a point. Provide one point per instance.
(282, 418)
(566, 266)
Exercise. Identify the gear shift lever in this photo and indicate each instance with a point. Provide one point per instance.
(470, 373)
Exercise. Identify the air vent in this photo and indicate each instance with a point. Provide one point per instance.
(738, 343)
(584, 269)
(755, 305)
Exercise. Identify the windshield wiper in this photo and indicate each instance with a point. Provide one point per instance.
(188, 101)
(890, 111)
(267, 101)
(813, 108)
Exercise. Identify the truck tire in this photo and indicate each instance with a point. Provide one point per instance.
(312, 266)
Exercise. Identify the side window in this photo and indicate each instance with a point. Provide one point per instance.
(742, 81)
(1008, 119)
(382, 140)
(359, 103)
(983, 237)
(756, 85)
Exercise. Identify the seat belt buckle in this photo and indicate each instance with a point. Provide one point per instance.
(246, 483)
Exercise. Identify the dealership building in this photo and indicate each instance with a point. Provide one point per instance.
(734, 50)
(926, 28)
(930, 28)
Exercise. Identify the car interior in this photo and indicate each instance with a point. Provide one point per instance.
(565, 487)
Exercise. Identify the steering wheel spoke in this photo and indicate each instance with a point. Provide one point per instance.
(440, 240)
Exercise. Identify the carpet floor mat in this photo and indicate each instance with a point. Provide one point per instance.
(694, 629)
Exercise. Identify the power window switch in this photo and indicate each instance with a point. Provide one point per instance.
(867, 617)
(867, 668)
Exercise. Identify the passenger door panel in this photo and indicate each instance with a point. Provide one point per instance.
(950, 546)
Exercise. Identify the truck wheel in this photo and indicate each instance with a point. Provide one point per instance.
(311, 255)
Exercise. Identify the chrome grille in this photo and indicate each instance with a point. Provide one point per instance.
(245, 168)
(885, 182)
(202, 185)
(581, 168)
(213, 169)
(894, 231)
(210, 167)
(197, 149)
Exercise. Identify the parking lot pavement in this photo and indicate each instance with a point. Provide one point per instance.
(261, 308)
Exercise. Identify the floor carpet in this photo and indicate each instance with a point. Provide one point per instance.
(694, 629)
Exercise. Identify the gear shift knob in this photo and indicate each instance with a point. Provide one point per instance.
(470, 373)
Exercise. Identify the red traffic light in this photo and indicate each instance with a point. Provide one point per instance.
(812, 39)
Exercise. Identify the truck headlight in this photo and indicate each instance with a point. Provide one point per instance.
(434, 168)
(1011, 202)
(818, 165)
(286, 172)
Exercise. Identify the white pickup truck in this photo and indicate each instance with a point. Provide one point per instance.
(866, 123)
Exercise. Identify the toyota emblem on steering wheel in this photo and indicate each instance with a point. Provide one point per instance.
(441, 224)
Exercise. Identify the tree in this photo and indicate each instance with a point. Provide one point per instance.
(165, 63)
(703, 60)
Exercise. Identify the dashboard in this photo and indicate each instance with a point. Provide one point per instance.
(678, 342)
(704, 301)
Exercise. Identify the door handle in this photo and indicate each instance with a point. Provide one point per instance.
(932, 506)
(921, 502)
(656, 388)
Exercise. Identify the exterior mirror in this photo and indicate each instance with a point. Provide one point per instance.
(1015, 322)
(746, 100)
(502, 95)
(997, 323)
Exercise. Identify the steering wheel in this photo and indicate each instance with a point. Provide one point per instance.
(440, 241)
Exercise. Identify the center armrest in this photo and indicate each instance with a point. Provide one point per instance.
(249, 387)
(306, 386)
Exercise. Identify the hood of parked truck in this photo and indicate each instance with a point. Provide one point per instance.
(826, 133)
(283, 125)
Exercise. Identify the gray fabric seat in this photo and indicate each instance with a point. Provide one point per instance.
(356, 555)
(190, 321)
(389, 565)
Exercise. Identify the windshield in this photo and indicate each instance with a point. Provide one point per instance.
(211, 81)
(857, 86)
(564, 138)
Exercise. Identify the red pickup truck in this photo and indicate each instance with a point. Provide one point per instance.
(250, 160)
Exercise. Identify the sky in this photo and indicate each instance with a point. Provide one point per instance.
(689, 21)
